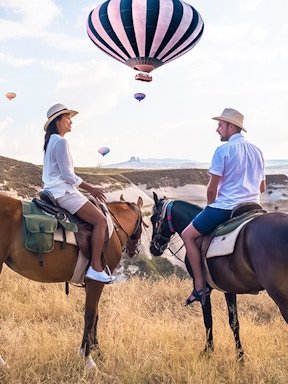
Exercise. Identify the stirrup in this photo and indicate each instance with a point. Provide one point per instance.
(199, 295)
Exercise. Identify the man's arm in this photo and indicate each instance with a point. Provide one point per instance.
(263, 186)
(212, 188)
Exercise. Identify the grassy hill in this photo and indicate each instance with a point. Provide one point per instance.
(25, 178)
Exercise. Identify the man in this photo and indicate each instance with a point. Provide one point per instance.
(236, 176)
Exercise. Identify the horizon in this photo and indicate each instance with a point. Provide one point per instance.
(176, 160)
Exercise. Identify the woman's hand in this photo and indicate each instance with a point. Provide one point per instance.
(98, 194)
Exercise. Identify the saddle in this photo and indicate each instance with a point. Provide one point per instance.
(221, 242)
(43, 216)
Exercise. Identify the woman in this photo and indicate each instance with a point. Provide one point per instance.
(59, 178)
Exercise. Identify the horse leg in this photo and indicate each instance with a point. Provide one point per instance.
(280, 297)
(89, 340)
(208, 322)
(231, 301)
(2, 361)
(207, 316)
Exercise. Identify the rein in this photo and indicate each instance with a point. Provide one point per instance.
(133, 239)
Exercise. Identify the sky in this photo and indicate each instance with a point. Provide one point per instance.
(46, 58)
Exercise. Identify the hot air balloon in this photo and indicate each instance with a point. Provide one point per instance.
(10, 95)
(139, 96)
(145, 34)
(104, 150)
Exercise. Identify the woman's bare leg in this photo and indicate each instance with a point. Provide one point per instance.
(92, 215)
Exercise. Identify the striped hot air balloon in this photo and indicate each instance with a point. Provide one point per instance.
(145, 34)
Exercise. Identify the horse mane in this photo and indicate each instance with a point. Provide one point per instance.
(134, 239)
(190, 206)
(187, 205)
(188, 211)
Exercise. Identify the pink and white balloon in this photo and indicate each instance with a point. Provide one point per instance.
(103, 151)
(145, 34)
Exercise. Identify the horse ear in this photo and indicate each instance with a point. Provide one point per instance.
(122, 197)
(140, 202)
(155, 197)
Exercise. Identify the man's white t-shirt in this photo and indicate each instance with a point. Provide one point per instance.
(241, 167)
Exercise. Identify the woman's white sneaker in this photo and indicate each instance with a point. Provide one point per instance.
(99, 276)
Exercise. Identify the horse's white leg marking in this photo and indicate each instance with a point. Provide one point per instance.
(2, 362)
(89, 362)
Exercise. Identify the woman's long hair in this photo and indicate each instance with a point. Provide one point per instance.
(52, 128)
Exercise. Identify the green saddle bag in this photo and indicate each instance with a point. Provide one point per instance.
(39, 232)
(39, 228)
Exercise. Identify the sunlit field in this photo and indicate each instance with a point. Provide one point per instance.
(146, 336)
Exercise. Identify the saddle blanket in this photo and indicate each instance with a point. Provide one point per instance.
(82, 261)
(224, 244)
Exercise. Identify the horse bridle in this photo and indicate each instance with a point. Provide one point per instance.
(134, 239)
(161, 212)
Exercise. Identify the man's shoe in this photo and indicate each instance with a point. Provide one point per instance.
(199, 295)
(99, 276)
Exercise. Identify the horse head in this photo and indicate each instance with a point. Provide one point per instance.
(161, 232)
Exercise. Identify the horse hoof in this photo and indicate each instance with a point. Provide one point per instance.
(240, 357)
(2, 362)
(207, 352)
(89, 364)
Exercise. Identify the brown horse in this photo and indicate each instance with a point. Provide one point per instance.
(59, 264)
(259, 261)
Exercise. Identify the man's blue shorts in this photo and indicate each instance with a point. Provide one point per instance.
(209, 219)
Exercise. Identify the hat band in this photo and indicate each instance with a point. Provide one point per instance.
(55, 113)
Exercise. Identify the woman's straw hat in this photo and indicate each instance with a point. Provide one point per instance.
(57, 110)
(231, 116)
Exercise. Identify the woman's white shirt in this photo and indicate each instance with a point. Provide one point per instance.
(58, 173)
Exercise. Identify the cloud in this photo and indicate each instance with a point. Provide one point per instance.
(5, 123)
(15, 61)
(89, 78)
(68, 43)
(34, 16)
(249, 5)
(233, 34)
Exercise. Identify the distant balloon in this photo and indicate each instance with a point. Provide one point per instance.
(145, 34)
(10, 95)
(104, 150)
(139, 96)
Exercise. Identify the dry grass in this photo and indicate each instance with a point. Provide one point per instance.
(145, 333)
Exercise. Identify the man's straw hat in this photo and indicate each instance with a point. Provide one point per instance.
(232, 116)
(57, 110)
